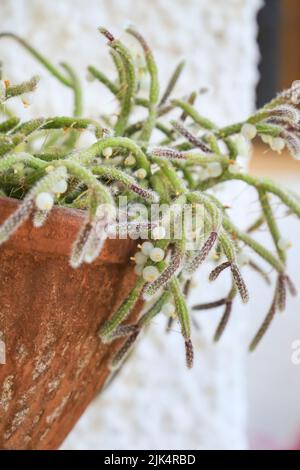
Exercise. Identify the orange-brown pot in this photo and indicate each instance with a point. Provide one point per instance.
(49, 317)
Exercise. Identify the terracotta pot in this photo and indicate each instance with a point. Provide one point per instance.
(49, 317)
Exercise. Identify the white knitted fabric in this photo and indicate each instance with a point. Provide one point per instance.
(154, 402)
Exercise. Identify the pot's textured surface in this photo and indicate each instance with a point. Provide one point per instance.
(49, 317)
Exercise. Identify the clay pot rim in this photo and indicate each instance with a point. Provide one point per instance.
(58, 234)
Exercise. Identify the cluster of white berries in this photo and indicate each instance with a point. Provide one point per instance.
(249, 131)
(151, 273)
(44, 201)
(276, 143)
(155, 254)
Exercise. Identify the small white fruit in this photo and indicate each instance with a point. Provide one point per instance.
(204, 175)
(107, 152)
(130, 160)
(277, 144)
(284, 244)
(140, 258)
(138, 269)
(141, 173)
(248, 131)
(60, 187)
(150, 273)
(214, 169)
(146, 248)
(169, 309)
(267, 139)
(157, 254)
(242, 145)
(44, 201)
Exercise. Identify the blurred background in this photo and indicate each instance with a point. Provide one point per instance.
(244, 51)
(273, 380)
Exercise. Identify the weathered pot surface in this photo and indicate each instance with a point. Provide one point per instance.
(49, 317)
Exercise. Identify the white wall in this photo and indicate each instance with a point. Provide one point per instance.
(155, 402)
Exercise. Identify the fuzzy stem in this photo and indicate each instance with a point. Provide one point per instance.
(172, 82)
(270, 219)
(40, 58)
(86, 155)
(181, 308)
(24, 87)
(253, 244)
(191, 111)
(128, 98)
(9, 124)
(123, 311)
(149, 123)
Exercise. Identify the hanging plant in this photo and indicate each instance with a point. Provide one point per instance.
(173, 156)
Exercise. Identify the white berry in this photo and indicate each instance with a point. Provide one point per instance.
(138, 269)
(157, 254)
(214, 169)
(107, 152)
(141, 174)
(60, 187)
(169, 309)
(267, 139)
(204, 175)
(277, 144)
(140, 258)
(88, 258)
(130, 160)
(242, 145)
(150, 273)
(44, 201)
(248, 131)
(284, 244)
(146, 248)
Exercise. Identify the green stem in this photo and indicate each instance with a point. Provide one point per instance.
(272, 224)
(39, 57)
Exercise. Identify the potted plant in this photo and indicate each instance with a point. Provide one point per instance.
(88, 254)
